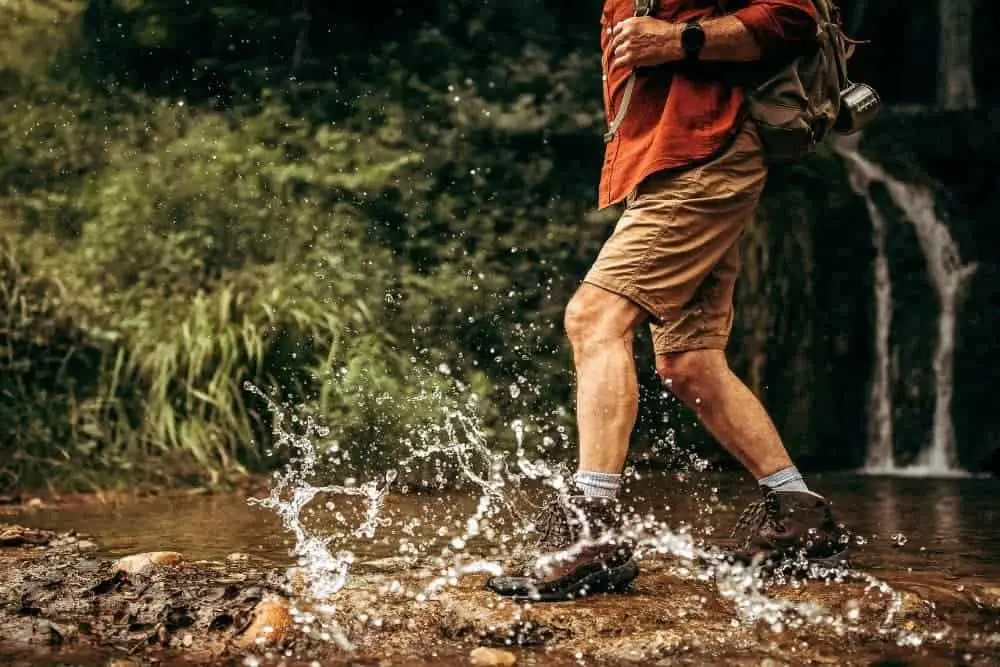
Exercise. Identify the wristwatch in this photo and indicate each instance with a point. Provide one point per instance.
(692, 40)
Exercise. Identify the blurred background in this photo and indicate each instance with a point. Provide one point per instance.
(368, 210)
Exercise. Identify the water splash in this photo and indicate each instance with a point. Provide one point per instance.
(455, 443)
(950, 277)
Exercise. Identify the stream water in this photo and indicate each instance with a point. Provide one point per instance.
(947, 525)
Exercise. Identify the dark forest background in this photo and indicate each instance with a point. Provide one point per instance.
(372, 211)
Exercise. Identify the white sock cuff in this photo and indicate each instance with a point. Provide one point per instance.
(786, 479)
(597, 484)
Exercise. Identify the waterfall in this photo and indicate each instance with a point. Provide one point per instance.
(949, 276)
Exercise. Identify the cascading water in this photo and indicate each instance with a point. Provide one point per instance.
(949, 276)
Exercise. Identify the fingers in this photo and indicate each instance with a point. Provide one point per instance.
(620, 42)
(624, 56)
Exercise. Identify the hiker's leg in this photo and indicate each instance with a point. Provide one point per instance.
(703, 380)
(690, 341)
(601, 328)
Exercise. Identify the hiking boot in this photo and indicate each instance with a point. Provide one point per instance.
(577, 553)
(789, 526)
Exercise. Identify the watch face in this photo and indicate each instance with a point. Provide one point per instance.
(692, 38)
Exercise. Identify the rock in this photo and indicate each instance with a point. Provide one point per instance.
(271, 624)
(491, 657)
(19, 536)
(147, 562)
(238, 557)
(641, 647)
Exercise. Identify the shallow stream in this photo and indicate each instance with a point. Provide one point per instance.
(946, 528)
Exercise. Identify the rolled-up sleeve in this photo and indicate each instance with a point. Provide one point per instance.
(778, 25)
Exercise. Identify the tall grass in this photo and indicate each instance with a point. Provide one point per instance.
(211, 251)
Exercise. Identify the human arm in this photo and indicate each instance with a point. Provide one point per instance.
(755, 31)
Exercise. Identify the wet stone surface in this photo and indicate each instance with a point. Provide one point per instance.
(57, 596)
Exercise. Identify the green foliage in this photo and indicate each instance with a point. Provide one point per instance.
(216, 251)
(331, 205)
(316, 238)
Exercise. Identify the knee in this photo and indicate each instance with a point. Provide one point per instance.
(591, 319)
(580, 321)
(692, 376)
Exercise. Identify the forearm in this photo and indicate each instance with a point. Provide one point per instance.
(728, 39)
(760, 30)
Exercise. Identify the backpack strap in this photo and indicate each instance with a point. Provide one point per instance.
(642, 8)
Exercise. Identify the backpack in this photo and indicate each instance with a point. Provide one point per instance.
(800, 104)
(796, 107)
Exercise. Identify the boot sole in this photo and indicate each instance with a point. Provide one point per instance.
(785, 565)
(613, 580)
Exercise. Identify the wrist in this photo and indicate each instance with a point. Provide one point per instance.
(671, 47)
(692, 40)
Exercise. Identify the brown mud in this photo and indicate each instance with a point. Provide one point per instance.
(60, 598)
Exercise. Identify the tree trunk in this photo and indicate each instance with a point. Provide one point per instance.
(955, 87)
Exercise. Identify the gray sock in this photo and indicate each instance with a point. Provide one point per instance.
(786, 479)
(597, 484)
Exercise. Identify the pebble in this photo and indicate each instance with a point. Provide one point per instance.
(147, 562)
(491, 657)
(271, 623)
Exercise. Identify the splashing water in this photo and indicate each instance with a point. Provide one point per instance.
(458, 441)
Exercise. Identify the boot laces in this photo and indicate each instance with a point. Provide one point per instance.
(756, 515)
(552, 533)
(552, 527)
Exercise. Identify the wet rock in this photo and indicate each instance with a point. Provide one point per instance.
(271, 624)
(642, 647)
(17, 536)
(990, 595)
(148, 562)
(491, 657)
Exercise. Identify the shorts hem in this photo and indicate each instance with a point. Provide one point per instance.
(669, 345)
(625, 291)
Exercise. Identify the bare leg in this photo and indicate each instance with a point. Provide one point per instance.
(728, 409)
(601, 328)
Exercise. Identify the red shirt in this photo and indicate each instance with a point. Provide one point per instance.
(680, 115)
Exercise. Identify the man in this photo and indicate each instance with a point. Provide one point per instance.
(690, 169)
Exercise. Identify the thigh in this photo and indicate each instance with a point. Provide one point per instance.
(675, 248)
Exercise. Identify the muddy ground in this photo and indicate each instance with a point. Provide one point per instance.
(60, 599)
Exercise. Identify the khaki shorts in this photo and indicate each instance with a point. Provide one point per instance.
(675, 250)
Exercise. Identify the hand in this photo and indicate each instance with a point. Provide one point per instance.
(642, 41)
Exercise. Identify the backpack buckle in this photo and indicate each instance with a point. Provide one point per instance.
(644, 7)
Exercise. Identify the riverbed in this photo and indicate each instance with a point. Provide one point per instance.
(933, 542)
